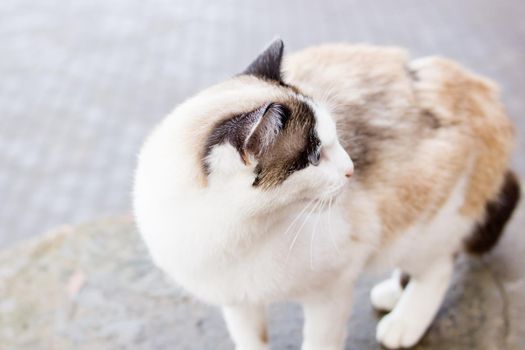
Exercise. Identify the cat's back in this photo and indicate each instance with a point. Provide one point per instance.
(384, 87)
(413, 128)
(369, 92)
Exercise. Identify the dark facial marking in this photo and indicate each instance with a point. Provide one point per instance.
(296, 147)
(269, 118)
(314, 149)
(284, 141)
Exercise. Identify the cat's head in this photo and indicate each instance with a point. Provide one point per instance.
(262, 139)
(286, 145)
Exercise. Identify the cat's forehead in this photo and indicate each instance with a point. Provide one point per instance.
(324, 124)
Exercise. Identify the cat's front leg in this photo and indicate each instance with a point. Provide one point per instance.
(417, 307)
(247, 326)
(325, 320)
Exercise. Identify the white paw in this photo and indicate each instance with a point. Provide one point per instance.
(385, 295)
(395, 331)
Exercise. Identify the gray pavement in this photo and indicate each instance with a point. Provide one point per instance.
(81, 82)
(94, 287)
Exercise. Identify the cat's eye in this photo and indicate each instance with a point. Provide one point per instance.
(315, 157)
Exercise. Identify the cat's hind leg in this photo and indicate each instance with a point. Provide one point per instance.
(417, 307)
(385, 295)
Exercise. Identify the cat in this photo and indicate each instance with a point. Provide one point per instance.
(287, 181)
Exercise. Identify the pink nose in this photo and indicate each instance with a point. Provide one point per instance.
(349, 172)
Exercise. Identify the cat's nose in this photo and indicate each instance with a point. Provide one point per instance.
(349, 171)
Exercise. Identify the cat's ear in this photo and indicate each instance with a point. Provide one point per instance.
(265, 126)
(251, 133)
(268, 64)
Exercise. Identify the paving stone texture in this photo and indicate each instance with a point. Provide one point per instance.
(82, 82)
(94, 287)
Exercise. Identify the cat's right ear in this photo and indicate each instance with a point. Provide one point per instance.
(251, 133)
(268, 64)
(265, 126)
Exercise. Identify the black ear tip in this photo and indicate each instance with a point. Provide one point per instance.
(278, 45)
(268, 64)
(276, 48)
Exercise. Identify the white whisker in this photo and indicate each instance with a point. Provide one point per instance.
(319, 206)
(313, 235)
(330, 228)
(300, 228)
(298, 216)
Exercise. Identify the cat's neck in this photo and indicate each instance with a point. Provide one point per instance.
(220, 217)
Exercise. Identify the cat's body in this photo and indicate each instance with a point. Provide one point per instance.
(242, 194)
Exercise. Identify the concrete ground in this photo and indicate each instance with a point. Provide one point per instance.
(82, 82)
(94, 287)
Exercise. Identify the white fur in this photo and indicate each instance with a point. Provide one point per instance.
(385, 295)
(430, 270)
(308, 240)
(415, 310)
(332, 149)
(247, 325)
(197, 235)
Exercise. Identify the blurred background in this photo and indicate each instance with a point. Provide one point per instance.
(82, 82)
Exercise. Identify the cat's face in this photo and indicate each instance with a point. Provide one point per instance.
(284, 150)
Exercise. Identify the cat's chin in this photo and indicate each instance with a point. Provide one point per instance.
(331, 196)
(322, 202)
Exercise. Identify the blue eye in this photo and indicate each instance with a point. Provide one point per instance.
(315, 157)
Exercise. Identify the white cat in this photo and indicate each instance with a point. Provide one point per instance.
(267, 188)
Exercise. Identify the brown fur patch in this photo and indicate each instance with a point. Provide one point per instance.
(412, 128)
(291, 149)
(497, 212)
(470, 103)
(264, 335)
(404, 279)
(194, 119)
